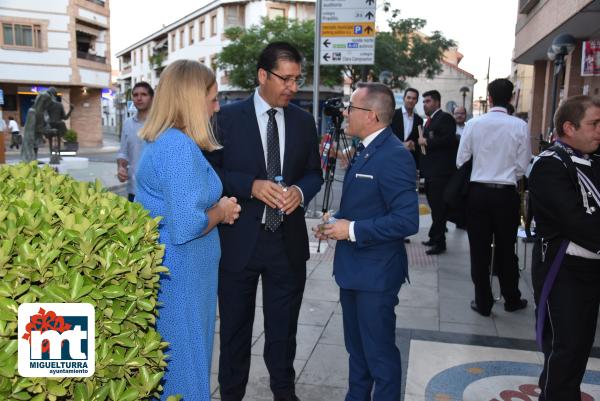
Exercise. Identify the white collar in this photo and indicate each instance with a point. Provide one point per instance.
(371, 137)
(261, 106)
(404, 111)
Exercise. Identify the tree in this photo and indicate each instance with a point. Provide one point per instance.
(403, 51)
(239, 57)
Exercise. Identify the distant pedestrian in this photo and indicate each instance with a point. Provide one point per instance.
(131, 144)
(460, 116)
(13, 127)
(500, 148)
(437, 165)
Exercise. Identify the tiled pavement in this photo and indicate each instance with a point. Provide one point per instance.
(433, 307)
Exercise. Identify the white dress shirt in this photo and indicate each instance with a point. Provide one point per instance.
(365, 143)
(261, 107)
(408, 122)
(500, 147)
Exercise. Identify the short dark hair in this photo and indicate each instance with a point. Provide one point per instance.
(435, 95)
(11, 118)
(501, 91)
(411, 90)
(381, 97)
(145, 85)
(275, 51)
(572, 110)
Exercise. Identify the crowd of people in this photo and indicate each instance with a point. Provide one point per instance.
(231, 184)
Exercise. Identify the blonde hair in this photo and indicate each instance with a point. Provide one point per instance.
(181, 102)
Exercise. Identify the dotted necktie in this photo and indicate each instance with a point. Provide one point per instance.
(359, 149)
(272, 217)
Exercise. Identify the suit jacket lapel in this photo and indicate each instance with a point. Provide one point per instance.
(364, 158)
(289, 137)
(254, 132)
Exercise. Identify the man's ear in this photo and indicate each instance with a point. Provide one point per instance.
(569, 129)
(262, 76)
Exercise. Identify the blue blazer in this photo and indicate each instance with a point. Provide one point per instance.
(379, 196)
(242, 160)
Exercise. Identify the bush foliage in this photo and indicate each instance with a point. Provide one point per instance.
(67, 241)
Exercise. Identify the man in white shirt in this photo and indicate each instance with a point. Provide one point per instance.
(500, 147)
(460, 116)
(406, 121)
(13, 127)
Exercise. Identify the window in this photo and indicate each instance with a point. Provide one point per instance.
(22, 35)
(213, 25)
(276, 12)
(181, 33)
(202, 29)
(141, 55)
(172, 42)
(233, 16)
(191, 34)
(134, 57)
(202, 60)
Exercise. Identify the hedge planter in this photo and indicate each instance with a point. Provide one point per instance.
(68, 241)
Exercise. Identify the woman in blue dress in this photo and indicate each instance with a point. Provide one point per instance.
(175, 181)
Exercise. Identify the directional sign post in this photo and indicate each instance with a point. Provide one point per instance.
(347, 31)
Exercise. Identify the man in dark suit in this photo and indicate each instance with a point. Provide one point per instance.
(436, 165)
(264, 137)
(378, 209)
(406, 122)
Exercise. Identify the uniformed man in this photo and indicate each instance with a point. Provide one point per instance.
(564, 184)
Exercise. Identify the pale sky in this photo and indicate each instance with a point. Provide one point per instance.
(482, 28)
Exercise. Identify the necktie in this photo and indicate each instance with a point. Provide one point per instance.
(359, 149)
(272, 217)
(427, 122)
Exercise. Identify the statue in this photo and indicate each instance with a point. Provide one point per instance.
(36, 127)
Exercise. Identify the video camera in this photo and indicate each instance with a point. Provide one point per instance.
(333, 107)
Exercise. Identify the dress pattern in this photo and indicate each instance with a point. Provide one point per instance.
(175, 181)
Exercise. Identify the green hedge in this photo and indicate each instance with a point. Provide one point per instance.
(67, 241)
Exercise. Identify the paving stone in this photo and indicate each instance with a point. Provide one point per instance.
(307, 392)
(326, 367)
(306, 341)
(334, 331)
(321, 290)
(316, 312)
(418, 296)
(484, 330)
(417, 318)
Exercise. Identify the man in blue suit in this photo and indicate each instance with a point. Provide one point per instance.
(379, 208)
(263, 137)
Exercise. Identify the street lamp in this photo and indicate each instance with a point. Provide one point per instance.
(464, 90)
(562, 45)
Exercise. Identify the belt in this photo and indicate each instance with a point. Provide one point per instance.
(494, 186)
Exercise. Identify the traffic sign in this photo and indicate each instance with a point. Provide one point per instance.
(348, 32)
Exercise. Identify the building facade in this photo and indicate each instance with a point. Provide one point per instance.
(200, 36)
(60, 43)
(538, 23)
(449, 83)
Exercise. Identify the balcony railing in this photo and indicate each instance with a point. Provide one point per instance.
(99, 2)
(525, 6)
(91, 57)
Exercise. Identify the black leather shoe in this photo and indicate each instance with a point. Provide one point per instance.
(407, 240)
(290, 398)
(428, 243)
(476, 309)
(522, 304)
(436, 250)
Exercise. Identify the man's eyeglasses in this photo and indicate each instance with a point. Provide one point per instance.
(350, 107)
(289, 81)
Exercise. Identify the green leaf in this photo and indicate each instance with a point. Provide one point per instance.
(113, 291)
(56, 388)
(75, 284)
(131, 394)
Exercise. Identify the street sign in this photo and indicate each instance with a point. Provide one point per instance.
(347, 32)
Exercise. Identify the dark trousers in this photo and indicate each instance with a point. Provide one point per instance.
(493, 215)
(282, 289)
(570, 327)
(15, 140)
(370, 338)
(434, 190)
